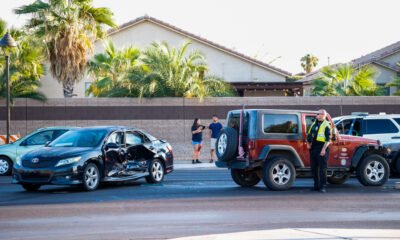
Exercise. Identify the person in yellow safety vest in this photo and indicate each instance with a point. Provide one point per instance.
(318, 140)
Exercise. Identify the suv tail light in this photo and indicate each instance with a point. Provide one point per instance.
(169, 148)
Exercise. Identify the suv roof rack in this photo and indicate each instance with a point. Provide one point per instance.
(359, 113)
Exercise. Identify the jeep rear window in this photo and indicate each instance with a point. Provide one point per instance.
(281, 123)
(397, 120)
(379, 126)
(234, 122)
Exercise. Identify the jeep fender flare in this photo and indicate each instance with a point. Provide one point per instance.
(285, 148)
(359, 153)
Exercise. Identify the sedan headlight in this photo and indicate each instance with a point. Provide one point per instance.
(68, 161)
(18, 161)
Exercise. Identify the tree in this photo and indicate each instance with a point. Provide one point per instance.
(114, 72)
(68, 28)
(346, 81)
(309, 62)
(26, 66)
(395, 83)
(175, 72)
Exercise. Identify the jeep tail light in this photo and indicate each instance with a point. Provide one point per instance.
(252, 144)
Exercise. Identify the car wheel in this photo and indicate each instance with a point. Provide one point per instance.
(91, 177)
(156, 172)
(338, 179)
(31, 187)
(278, 173)
(245, 178)
(5, 166)
(227, 144)
(373, 171)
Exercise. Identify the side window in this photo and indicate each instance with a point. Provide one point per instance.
(397, 120)
(357, 128)
(116, 137)
(134, 138)
(234, 122)
(40, 138)
(309, 121)
(379, 126)
(281, 123)
(344, 126)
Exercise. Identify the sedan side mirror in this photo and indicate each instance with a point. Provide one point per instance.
(111, 145)
(47, 143)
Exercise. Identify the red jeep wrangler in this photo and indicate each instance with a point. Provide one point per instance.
(271, 145)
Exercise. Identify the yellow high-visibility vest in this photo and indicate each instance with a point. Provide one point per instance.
(321, 130)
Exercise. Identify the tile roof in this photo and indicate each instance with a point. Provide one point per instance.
(199, 39)
(374, 57)
(377, 55)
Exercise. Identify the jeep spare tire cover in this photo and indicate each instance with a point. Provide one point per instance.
(227, 144)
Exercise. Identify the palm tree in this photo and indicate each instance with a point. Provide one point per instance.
(26, 67)
(113, 72)
(395, 83)
(175, 72)
(309, 62)
(68, 28)
(346, 81)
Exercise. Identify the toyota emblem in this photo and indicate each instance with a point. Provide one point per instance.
(35, 160)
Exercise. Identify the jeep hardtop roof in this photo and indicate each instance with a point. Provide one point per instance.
(289, 111)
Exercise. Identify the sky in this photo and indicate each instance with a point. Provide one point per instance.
(281, 31)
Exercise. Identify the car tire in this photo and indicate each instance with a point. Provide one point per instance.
(245, 178)
(278, 173)
(156, 172)
(227, 144)
(373, 171)
(91, 177)
(338, 179)
(5, 166)
(31, 187)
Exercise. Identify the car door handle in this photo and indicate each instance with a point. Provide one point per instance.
(396, 137)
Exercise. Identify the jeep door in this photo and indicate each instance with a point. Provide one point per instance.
(280, 129)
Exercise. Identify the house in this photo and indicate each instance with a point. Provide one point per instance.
(249, 76)
(384, 60)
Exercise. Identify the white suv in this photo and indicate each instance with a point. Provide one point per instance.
(382, 127)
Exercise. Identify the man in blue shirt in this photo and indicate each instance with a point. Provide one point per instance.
(215, 127)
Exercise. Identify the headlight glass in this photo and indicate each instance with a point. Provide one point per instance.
(68, 161)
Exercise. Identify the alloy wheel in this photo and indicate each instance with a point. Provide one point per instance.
(4, 166)
(157, 171)
(281, 174)
(375, 171)
(91, 177)
(222, 143)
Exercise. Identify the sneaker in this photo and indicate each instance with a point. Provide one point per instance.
(211, 161)
(197, 161)
(323, 190)
(193, 162)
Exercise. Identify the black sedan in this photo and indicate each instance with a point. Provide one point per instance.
(92, 155)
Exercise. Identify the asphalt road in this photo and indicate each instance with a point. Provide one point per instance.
(188, 203)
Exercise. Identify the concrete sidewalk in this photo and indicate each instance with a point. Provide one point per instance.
(304, 233)
(189, 165)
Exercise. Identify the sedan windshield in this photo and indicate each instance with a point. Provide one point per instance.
(80, 138)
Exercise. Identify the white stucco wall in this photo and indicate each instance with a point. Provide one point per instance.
(231, 68)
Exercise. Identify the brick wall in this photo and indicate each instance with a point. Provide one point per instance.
(170, 118)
